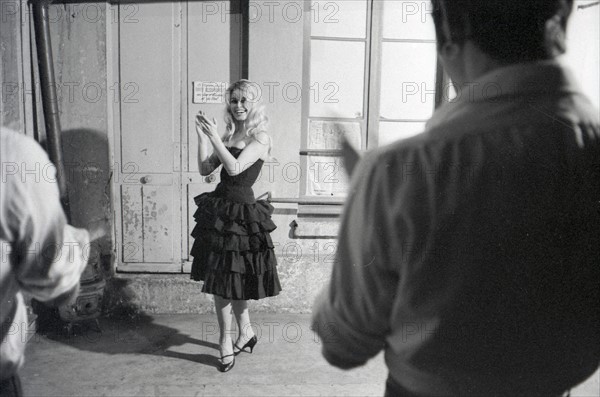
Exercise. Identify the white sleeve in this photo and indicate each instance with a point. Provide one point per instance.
(48, 256)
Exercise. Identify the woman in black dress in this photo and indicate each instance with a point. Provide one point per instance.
(233, 252)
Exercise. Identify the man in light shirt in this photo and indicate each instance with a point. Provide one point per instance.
(40, 254)
(470, 253)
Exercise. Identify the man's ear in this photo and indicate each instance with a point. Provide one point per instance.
(450, 50)
(555, 36)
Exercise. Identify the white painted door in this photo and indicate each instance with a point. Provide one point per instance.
(147, 144)
(161, 49)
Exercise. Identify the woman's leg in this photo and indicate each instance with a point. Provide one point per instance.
(223, 308)
(242, 317)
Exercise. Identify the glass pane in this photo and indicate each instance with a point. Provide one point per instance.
(328, 134)
(408, 20)
(408, 80)
(336, 79)
(390, 132)
(339, 18)
(326, 177)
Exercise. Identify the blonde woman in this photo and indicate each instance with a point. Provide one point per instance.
(233, 252)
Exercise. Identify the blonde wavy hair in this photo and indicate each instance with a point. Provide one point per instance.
(256, 121)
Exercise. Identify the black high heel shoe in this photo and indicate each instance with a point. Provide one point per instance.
(226, 367)
(250, 345)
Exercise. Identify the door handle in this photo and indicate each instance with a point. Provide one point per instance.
(146, 179)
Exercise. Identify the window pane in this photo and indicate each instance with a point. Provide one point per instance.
(328, 134)
(390, 132)
(336, 79)
(339, 18)
(326, 177)
(408, 80)
(408, 20)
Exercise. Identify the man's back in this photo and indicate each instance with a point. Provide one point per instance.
(503, 280)
(480, 238)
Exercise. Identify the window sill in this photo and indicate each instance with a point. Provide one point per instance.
(316, 228)
(320, 210)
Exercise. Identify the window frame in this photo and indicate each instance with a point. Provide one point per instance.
(370, 118)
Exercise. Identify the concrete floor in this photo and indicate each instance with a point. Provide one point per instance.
(176, 355)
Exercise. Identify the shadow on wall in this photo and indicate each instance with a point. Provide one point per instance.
(88, 174)
(89, 177)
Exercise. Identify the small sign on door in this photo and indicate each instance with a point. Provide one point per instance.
(209, 92)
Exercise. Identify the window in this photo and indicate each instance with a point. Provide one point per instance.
(371, 72)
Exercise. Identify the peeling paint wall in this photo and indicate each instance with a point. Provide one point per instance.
(11, 113)
(78, 35)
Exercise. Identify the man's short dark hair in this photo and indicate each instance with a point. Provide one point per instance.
(509, 31)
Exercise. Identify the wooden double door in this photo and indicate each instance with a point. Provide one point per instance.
(158, 51)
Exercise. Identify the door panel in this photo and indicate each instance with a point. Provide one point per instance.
(147, 51)
(131, 205)
(162, 48)
(150, 132)
(147, 224)
(214, 55)
(157, 210)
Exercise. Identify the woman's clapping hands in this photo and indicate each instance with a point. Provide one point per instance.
(206, 127)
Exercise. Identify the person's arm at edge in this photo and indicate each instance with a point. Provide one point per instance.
(50, 254)
(352, 315)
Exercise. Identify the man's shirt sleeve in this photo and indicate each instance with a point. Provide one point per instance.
(48, 255)
(352, 316)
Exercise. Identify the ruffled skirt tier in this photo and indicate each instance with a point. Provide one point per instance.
(233, 251)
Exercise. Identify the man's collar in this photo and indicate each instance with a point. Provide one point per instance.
(523, 79)
(518, 80)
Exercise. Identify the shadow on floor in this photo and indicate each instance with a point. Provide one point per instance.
(137, 334)
(123, 329)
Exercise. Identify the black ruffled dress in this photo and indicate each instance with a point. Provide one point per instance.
(232, 250)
